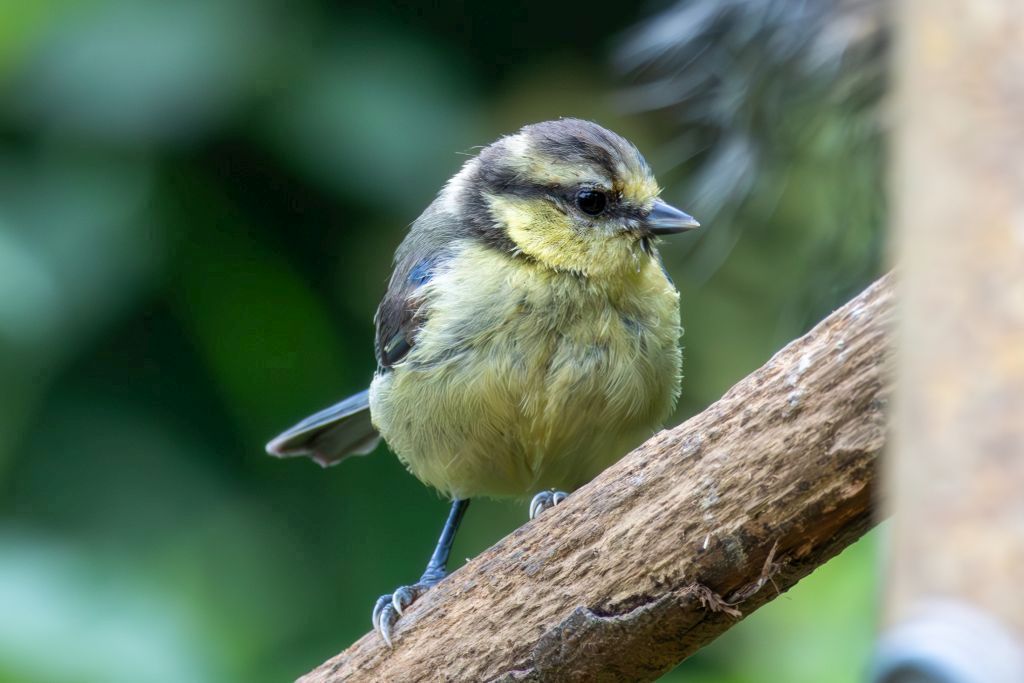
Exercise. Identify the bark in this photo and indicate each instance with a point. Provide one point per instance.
(675, 543)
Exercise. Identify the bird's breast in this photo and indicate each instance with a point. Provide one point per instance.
(522, 378)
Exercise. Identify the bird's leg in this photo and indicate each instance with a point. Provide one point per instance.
(544, 500)
(389, 607)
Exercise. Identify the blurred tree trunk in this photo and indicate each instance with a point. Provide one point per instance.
(658, 556)
(956, 477)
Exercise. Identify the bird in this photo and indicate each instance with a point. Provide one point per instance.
(529, 335)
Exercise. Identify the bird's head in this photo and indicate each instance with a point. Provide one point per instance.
(567, 193)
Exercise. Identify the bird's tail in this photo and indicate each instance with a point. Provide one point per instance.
(331, 435)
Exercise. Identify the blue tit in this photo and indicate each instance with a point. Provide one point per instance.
(529, 335)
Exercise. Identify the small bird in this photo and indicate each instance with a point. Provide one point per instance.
(529, 335)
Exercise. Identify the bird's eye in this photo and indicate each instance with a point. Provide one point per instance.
(591, 202)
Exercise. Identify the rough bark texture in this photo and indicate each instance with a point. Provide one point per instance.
(958, 472)
(665, 550)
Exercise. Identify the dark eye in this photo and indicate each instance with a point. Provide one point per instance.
(591, 202)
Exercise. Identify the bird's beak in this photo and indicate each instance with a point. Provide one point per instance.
(665, 219)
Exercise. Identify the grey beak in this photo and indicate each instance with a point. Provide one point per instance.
(665, 219)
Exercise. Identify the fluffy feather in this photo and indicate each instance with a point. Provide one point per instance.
(524, 377)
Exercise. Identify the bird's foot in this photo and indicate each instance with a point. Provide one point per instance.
(391, 606)
(544, 500)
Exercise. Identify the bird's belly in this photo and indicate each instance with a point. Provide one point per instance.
(532, 405)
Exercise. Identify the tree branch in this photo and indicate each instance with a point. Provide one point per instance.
(658, 556)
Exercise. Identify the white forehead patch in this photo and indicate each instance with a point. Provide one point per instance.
(517, 145)
(455, 188)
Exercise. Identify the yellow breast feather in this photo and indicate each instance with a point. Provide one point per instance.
(525, 378)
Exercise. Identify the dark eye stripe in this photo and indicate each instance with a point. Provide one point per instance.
(494, 177)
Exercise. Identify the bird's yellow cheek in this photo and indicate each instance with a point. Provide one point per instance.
(537, 227)
(540, 230)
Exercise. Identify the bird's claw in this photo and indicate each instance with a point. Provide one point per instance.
(391, 606)
(544, 500)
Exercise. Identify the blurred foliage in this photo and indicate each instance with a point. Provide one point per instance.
(198, 205)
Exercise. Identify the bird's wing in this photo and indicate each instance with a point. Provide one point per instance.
(345, 428)
(401, 313)
(331, 435)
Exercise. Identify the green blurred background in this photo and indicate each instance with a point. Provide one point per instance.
(199, 201)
